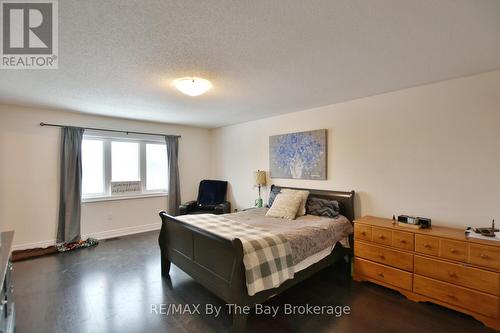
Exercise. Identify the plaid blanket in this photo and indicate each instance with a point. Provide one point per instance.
(267, 256)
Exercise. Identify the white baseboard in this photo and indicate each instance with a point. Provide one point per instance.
(98, 235)
(123, 231)
(27, 246)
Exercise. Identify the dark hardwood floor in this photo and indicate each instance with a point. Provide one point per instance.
(111, 288)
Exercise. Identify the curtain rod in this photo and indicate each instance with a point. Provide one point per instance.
(107, 130)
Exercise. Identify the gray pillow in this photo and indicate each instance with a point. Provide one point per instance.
(272, 195)
(323, 207)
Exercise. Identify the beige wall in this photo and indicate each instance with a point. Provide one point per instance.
(432, 151)
(29, 157)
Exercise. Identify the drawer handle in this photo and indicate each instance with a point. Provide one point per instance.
(381, 236)
(454, 251)
(427, 245)
(363, 233)
(452, 274)
(403, 241)
(484, 256)
(382, 257)
(450, 295)
(381, 275)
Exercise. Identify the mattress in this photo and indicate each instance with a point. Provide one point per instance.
(312, 259)
(312, 238)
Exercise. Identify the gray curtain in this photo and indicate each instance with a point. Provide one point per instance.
(174, 188)
(70, 194)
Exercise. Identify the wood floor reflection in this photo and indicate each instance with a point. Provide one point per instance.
(112, 288)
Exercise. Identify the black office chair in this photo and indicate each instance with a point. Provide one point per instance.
(211, 199)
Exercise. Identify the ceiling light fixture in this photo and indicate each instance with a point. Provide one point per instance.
(192, 86)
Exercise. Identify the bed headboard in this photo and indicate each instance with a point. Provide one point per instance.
(345, 199)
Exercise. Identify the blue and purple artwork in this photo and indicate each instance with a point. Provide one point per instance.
(299, 155)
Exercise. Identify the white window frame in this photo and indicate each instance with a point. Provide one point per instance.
(107, 138)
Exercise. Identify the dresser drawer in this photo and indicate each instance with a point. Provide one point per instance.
(382, 236)
(403, 240)
(458, 274)
(385, 256)
(484, 255)
(427, 244)
(3, 314)
(455, 250)
(389, 275)
(362, 232)
(9, 288)
(8, 276)
(465, 298)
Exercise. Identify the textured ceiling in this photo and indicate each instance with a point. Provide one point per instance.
(118, 57)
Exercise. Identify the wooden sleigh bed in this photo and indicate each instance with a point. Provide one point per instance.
(217, 263)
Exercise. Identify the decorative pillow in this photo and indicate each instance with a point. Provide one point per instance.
(323, 207)
(303, 195)
(285, 206)
(272, 195)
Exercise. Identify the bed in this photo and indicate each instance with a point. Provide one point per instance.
(217, 262)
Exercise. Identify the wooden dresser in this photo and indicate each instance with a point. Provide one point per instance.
(438, 265)
(7, 310)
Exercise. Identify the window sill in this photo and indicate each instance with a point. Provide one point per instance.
(124, 197)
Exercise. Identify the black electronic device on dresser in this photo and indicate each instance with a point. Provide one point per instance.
(7, 310)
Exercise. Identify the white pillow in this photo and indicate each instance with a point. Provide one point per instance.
(285, 206)
(303, 195)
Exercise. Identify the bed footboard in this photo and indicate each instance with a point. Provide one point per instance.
(213, 261)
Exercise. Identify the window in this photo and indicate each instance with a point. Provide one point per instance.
(121, 167)
(156, 167)
(93, 167)
(125, 161)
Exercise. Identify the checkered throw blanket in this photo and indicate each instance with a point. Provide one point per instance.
(267, 256)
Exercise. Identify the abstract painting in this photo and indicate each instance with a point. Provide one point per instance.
(299, 155)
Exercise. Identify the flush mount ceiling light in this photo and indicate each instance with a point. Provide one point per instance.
(192, 86)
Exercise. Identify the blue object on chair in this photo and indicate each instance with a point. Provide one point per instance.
(212, 192)
(211, 199)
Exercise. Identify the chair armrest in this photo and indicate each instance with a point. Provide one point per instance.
(187, 207)
(223, 208)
